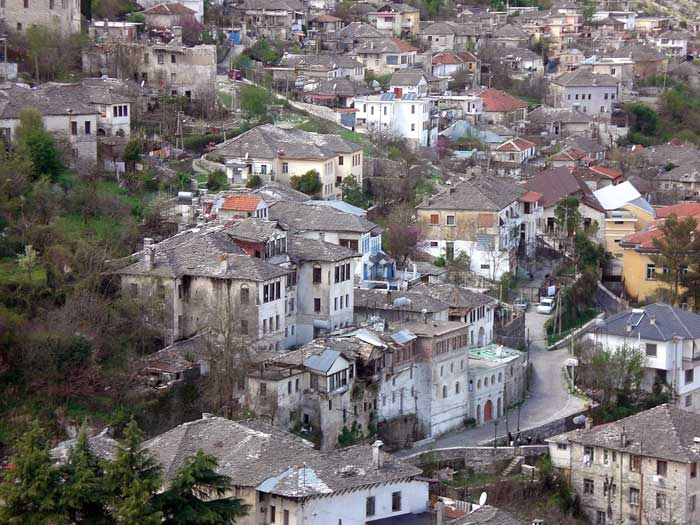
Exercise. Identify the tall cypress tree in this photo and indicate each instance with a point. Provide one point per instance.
(197, 495)
(133, 479)
(85, 495)
(30, 490)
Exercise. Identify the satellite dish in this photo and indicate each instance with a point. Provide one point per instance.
(482, 499)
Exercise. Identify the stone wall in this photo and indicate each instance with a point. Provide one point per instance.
(482, 460)
(512, 332)
(546, 430)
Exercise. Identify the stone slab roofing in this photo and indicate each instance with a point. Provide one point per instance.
(484, 193)
(273, 5)
(407, 77)
(384, 45)
(584, 77)
(320, 61)
(303, 217)
(557, 183)
(302, 249)
(175, 9)
(382, 300)
(359, 31)
(664, 432)
(270, 142)
(49, 100)
(255, 454)
(251, 229)
(657, 322)
(453, 295)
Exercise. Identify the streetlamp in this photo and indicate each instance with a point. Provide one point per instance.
(495, 433)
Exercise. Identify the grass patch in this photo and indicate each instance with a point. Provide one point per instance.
(569, 327)
(105, 229)
(476, 480)
(11, 273)
(136, 203)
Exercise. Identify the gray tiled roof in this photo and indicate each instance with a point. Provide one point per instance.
(341, 87)
(273, 5)
(453, 295)
(407, 77)
(658, 322)
(319, 61)
(484, 193)
(685, 173)
(378, 46)
(584, 77)
(664, 432)
(268, 141)
(547, 114)
(49, 100)
(360, 31)
(202, 252)
(510, 31)
(638, 53)
(305, 217)
(488, 515)
(102, 445)
(251, 229)
(383, 300)
(275, 191)
(255, 454)
(303, 249)
(678, 154)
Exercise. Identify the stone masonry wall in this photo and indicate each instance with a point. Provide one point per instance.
(482, 460)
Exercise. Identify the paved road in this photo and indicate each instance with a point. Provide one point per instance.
(548, 397)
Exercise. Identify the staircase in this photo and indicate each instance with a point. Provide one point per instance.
(515, 463)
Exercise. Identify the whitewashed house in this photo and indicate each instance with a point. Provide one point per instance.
(673, 43)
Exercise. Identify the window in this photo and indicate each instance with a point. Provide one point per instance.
(285, 167)
(273, 512)
(317, 304)
(340, 160)
(661, 468)
(317, 274)
(413, 109)
(588, 486)
(450, 220)
(691, 503)
(651, 349)
(651, 272)
(457, 387)
(693, 470)
(434, 219)
(413, 127)
(244, 326)
(73, 128)
(444, 391)
(634, 496)
(610, 488)
(51, 4)
(173, 59)
(263, 169)
(588, 455)
(562, 446)
(161, 58)
(87, 127)
(173, 77)
(26, 4)
(660, 500)
(285, 518)
(369, 506)
(689, 376)
(635, 463)
(395, 501)
(263, 389)
(605, 96)
(600, 517)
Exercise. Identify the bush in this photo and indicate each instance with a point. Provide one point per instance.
(217, 181)
(254, 182)
(254, 100)
(309, 182)
(133, 150)
(440, 261)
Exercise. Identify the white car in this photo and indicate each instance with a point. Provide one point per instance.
(546, 306)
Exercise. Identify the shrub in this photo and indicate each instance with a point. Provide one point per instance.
(309, 182)
(254, 100)
(217, 181)
(254, 182)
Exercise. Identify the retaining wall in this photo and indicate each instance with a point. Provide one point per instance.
(482, 460)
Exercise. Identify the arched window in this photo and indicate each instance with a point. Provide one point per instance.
(486, 381)
(245, 294)
(444, 391)
(493, 379)
(120, 133)
(317, 273)
(478, 384)
(500, 377)
(442, 371)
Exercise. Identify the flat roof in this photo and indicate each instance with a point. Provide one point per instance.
(495, 353)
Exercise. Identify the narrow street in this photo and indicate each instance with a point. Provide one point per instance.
(548, 398)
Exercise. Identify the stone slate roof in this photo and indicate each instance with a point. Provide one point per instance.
(484, 193)
(179, 356)
(48, 100)
(169, 9)
(658, 322)
(319, 61)
(664, 432)
(273, 5)
(203, 252)
(103, 445)
(384, 45)
(556, 183)
(547, 114)
(275, 191)
(510, 31)
(268, 141)
(450, 28)
(383, 300)
(251, 229)
(341, 87)
(584, 77)
(488, 515)
(302, 249)
(407, 77)
(359, 31)
(677, 153)
(638, 53)
(685, 173)
(255, 454)
(307, 217)
(453, 295)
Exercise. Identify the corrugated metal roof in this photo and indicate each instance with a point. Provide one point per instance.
(322, 362)
(403, 336)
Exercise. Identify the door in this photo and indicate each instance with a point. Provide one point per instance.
(488, 411)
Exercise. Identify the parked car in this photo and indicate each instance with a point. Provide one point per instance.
(521, 304)
(546, 306)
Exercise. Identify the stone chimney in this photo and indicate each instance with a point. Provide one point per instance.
(652, 320)
(377, 459)
(149, 253)
(177, 35)
(588, 424)
(224, 263)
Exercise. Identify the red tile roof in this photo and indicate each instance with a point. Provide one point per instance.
(516, 144)
(241, 203)
(531, 196)
(607, 172)
(467, 56)
(557, 183)
(496, 101)
(326, 18)
(403, 46)
(569, 154)
(447, 58)
(169, 9)
(642, 240)
(684, 209)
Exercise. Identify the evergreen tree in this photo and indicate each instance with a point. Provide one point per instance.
(675, 248)
(84, 494)
(133, 479)
(567, 215)
(196, 496)
(30, 490)
(37, 144)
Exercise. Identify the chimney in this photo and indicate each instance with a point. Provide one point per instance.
(224, 263)
(652, 320)
(377, 459)
(322, 236)
(628, 327)
(623, 438)
(106, 26)
(177, 35)
(439, 512)
(588, 424)
(149, 253)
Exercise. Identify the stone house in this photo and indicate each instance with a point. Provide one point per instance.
(522, 63)
(356, 34)
(325, 28)
(110, 30)
(497, 381)
(285, 480)
(167, 16)
(682, 182)
(514, 151)
(386, 55)
(585, 91)
(409, 82)
(559, 122)
(273, 19)
(641, 469)
(399, 20)
(171, 68)
(621, 69)
(62, 16)
(397, 306)
(321, 67)
(65, 113)
(668, 337)
(450, 36)
(647, 60)
(277, 154)
(197, 6)
(509, 35)
(478, 217)
(502, 108)
(447, 65)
